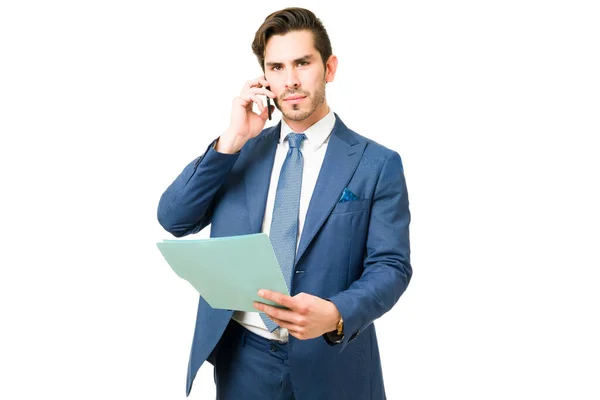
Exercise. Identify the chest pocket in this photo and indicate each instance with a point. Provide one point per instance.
(351, 206)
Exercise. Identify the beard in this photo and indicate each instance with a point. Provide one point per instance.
(299, 112)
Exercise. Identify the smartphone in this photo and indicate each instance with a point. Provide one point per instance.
(269, 103)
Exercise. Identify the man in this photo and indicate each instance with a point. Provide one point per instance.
(335, 206)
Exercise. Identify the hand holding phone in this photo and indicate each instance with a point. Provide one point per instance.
(245, 124)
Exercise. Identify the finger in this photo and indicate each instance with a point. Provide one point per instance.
(259, 103)
(255, 99)
(263, 91)
(279, 298)
(263, 81)
(296, 331)
(256, 82)
(264, 115)
(301, 335)
(288, 325)
(243, 101)
(251, 83)
(278, 313)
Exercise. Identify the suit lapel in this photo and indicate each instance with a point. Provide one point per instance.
(258, 176)
(341, 160)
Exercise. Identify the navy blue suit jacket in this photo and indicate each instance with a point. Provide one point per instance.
(355, 253)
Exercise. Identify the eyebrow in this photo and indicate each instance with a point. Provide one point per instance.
(297, 60)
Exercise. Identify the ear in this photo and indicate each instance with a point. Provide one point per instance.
(331, 68)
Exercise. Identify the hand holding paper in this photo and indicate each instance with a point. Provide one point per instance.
(306, 316)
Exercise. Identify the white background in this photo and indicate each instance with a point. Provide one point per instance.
(493, 106)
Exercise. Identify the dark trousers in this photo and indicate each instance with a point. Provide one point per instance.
(248, 366)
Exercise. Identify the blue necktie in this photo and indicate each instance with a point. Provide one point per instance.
(284, 225)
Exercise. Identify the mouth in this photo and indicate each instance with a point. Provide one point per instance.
(294, 99)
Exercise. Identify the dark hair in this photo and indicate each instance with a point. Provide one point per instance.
(289, 20)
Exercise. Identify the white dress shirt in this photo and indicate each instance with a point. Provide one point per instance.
(313, 150)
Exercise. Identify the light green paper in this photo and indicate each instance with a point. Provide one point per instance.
(227, 271)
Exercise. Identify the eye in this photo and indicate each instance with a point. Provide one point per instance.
(303, 63)
(275, 68)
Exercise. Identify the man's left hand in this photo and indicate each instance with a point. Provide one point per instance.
(307, 316)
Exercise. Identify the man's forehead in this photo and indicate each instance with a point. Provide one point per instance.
(290, 47)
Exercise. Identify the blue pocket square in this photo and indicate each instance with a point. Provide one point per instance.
(347, 196)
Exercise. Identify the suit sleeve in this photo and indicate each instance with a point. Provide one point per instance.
(387, 269)
(186, 206)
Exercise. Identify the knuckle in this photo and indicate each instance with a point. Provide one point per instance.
(302, 296)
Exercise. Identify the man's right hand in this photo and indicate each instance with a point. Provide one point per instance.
(245, 124)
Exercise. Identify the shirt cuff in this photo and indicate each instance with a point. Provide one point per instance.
(332, 338)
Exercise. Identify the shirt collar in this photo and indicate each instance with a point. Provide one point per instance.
(316, 135)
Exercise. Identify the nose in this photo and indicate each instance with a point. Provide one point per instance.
(291, 80)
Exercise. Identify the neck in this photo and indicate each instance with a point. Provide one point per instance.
(301, 126)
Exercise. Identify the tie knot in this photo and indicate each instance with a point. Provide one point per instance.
(295, 139)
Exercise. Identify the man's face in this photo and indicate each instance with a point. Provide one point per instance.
(295, 71)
